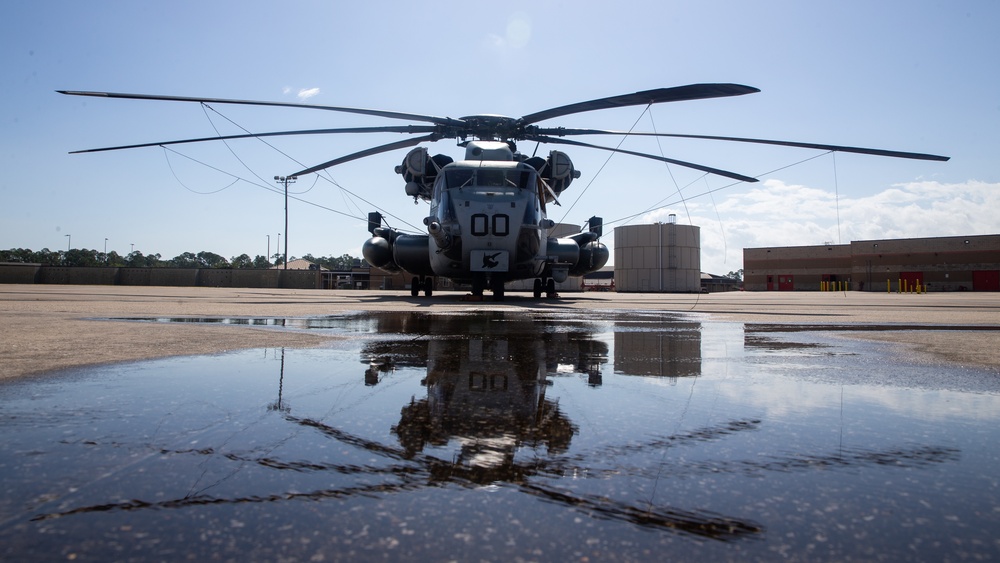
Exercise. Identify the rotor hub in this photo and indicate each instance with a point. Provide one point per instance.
(489, 127)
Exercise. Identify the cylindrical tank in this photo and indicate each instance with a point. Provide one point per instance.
(662, 257)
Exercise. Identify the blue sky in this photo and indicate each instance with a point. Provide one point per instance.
(914, 76)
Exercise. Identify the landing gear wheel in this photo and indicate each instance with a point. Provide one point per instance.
(415, 286)
(537, 291)
(550, 288)
(478, 285)
(496, 284)
(428, 284)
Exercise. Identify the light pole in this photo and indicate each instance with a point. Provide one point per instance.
(105, 251)
(277, 244)
(69, 242)
(286, 180)
(268, 255)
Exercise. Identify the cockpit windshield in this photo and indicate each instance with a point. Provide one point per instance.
(490, 177)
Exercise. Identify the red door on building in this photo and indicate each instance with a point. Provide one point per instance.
(785, 283)
(910, 280)
(986, 280)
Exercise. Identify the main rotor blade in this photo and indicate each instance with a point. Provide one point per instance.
(369, 152)
(387, 129)
(840, 148)
(380, 113)
(710, 170)
(675, 94)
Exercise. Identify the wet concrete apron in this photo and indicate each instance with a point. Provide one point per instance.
(507, 435)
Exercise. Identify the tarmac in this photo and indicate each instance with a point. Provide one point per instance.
(44, 328)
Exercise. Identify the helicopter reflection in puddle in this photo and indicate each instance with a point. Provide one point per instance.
(487, 392)
(486, 382)
(487, 388)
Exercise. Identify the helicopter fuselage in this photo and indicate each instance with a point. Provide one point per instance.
(486, 219)
(487, 224)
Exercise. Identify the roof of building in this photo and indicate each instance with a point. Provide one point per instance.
(300, 264)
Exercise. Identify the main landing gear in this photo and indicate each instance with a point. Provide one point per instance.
(496, 281)
(427, 284)
(549, 286)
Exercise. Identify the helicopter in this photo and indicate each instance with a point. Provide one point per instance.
(487, 222)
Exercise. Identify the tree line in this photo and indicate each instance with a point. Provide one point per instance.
(136, 259)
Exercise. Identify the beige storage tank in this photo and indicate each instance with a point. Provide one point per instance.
(663, 257)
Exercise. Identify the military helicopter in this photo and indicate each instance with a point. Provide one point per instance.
(488, 222)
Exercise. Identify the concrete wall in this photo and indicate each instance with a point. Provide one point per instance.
(177, 277)
(19, 273)
(664, 257)
(81, 276)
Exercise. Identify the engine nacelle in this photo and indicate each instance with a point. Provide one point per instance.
(378, 252)
(557, 170)
(563, 251)
(419, 170)
(575, 256)
(412, 253)
(390, 251)
(593, 257)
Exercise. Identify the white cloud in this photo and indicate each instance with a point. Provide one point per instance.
(306, 93)
(780, 214)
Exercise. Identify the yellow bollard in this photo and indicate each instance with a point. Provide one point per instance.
(888, 286)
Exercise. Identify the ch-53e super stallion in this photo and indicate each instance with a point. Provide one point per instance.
(487, 223)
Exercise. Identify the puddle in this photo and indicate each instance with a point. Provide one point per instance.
(506, 436)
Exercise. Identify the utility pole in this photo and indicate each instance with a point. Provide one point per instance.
(286, 180)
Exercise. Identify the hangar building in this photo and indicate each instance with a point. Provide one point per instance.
(963, 263)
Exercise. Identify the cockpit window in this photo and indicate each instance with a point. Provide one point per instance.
(491, 177)
(459, 178)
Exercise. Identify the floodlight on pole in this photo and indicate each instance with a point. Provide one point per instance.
(285, 180)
